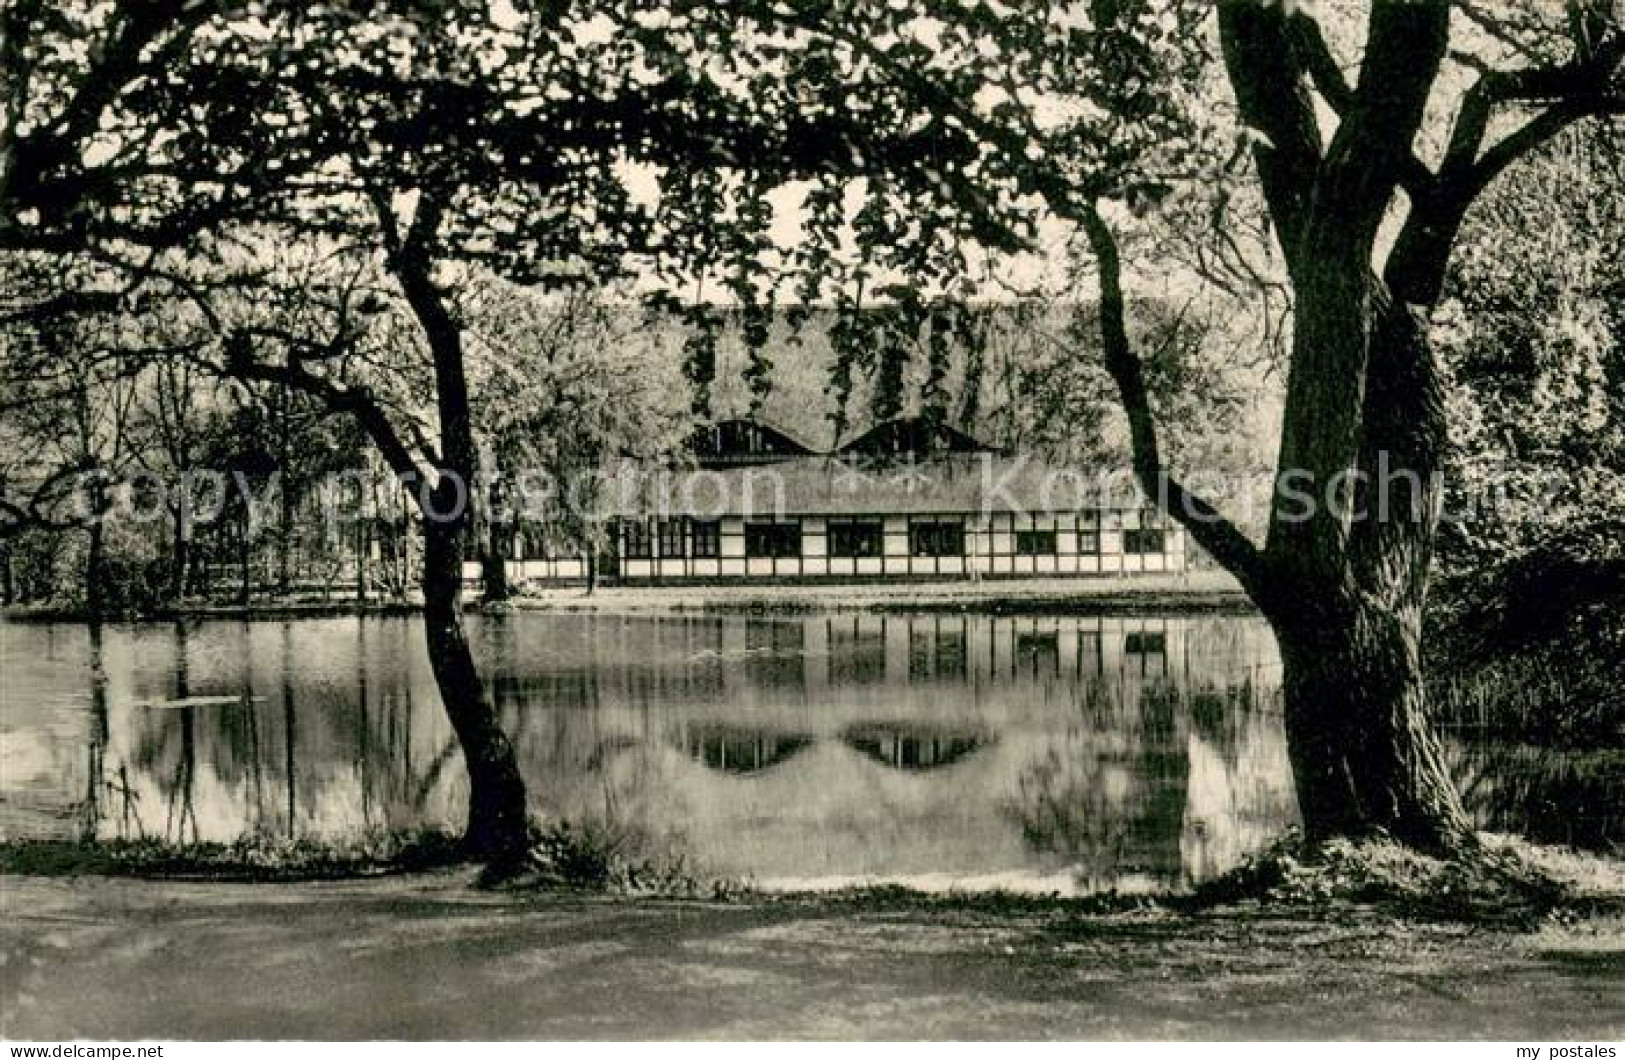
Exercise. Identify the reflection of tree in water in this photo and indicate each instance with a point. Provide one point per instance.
(100, 788)
(180, 804)
(1110, 799)
(662, 726)
(319, 751)
(349, 734)
(170, 745)
(290, 731)
(104, 781)
(1220, 713)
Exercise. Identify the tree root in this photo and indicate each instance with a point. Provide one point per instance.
(1495, 881)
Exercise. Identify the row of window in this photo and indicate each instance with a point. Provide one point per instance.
(850, 539)
(704, 539)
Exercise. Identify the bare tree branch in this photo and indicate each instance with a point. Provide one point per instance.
(1211, 529)
(357, 401)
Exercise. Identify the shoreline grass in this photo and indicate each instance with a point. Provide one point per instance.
(1199, 592)
(1509, 882)
(248, 859)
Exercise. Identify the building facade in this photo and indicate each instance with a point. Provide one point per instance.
(905, 500)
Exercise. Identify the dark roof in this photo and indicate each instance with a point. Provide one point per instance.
(850, 485)
(744, 441)
(913, 436)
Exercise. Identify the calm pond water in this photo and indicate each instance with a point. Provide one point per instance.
(1070, 754)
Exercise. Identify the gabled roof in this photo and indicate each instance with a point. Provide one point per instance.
(968, 483)
(744, 441)
(913, 436)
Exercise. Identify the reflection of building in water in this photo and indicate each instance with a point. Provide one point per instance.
(948, 747)
(1070, 751)
(731, 750)
(912, 746)
(1022, 751)
(905, 500)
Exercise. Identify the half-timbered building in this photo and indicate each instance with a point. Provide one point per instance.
(906, 499)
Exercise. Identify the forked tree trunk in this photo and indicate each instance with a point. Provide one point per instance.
(1343, 580)
(1345, 586)
(1364, 755)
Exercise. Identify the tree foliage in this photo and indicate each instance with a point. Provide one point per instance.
(1533, 330)
(861, 155)
(572, 390)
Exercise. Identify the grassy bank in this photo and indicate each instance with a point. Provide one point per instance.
(250, 859)
(1204, 591)
(563, 855)
(1510, 881)
(315, 607)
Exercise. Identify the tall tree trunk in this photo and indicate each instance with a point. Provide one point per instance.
(181, 554)
(96, 554)
(403, 538)
(96, 781)
(363, 553)
(284, 494)
(1346, 599)
(1364, 759)
(284, 562)
(498, 830)
(494, 577)
(95, 570)
(494, 562)
(498, 827)
(284, 552)
(1343, 579)
(245, 558)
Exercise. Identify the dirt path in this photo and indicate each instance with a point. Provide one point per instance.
(427, 957)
